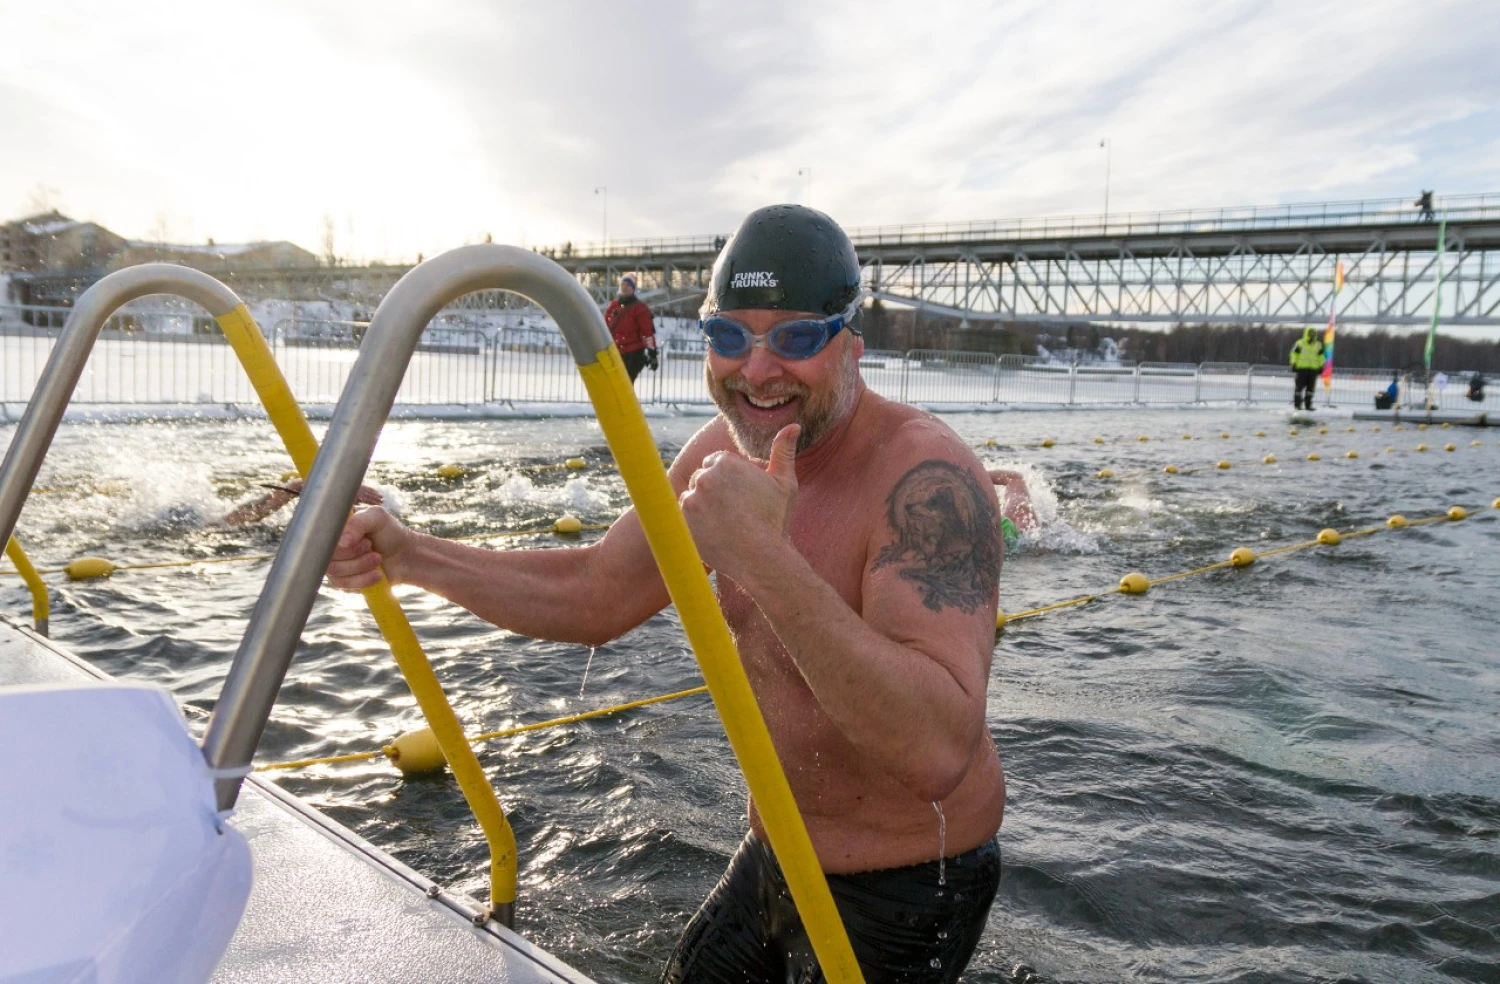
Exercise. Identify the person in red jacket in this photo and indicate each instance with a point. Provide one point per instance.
(629, 320)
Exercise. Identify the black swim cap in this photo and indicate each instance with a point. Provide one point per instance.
(785, 258)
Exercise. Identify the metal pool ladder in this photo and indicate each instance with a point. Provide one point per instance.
(309, 541)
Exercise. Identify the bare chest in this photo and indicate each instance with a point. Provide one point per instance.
(831, 530)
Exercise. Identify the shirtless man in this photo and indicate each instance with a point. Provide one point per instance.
(854, 542)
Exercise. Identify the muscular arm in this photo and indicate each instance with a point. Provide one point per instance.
(904, 677)
(588, 594)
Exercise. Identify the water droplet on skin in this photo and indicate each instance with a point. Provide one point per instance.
(942, 843)
(585, 683)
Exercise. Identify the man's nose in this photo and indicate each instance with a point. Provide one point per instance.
(761, 367)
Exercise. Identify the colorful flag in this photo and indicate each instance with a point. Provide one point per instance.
(1338, 285)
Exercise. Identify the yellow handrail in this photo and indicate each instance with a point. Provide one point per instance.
(287, 417)
(41, 605)
(681, 567)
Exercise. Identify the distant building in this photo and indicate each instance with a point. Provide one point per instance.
(49, 259)
(54, 242)
(213, 256)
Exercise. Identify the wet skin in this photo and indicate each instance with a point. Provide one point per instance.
(858, 575)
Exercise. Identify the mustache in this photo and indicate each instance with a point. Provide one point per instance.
(736, 384)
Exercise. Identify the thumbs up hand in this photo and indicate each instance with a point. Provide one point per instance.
(740, 512)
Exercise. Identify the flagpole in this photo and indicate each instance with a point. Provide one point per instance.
(1338, 285)
(1437, 306)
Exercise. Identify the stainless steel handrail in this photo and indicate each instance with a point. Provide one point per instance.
(276, 624)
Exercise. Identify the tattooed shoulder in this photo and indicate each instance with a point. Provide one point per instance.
(946, 540)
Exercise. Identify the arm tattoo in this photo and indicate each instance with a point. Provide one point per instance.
(946, 536)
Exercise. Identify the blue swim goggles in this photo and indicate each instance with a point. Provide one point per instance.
(800, 339)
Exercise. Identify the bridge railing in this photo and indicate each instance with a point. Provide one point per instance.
(1378, 211)
(136, 362)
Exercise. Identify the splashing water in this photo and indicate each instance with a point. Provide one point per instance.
(1052, 533)
(576, 495)
(942, 843)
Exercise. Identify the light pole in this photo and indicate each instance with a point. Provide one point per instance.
(603, 190)
(1107, 148)
(807, 173)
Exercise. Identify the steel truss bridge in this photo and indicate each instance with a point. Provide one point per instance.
(1262, 265)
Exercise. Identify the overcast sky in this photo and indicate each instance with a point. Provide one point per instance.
(420, 126)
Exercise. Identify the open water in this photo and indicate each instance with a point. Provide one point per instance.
(1285, 773)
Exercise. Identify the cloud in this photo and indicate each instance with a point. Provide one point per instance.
(417, 127)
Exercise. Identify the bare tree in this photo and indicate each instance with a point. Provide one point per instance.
(330, 255)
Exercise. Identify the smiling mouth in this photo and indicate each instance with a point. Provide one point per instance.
(768, 402)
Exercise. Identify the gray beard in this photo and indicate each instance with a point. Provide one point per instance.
(817, 417)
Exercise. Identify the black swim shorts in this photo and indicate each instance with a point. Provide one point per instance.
(919, 923)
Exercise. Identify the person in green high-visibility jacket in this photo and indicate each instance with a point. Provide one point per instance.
(1307, 360)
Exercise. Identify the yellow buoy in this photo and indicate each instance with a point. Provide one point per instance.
(1349, 429)
(1396, 522)
(1446, 425)
(1292, 432)
(1047, 442)
(1421, 427)
(1269, 459)
(416, 753)
(1421, 447)
(1134, 583)
(1223, 465)
(1187, 437)
(1225, 435)
(449, 470)
(87, 568)
(574, 464)
(1242, 557)
(1104, 473)
(567, 523)
(1329, 538)
(1351, 454)
(1396, 428)
(1474, 444)
(1375, 429)
(1098, 440)
(1143, 437)
(990, 443)
(1260, 433)
(1170, 469)
(1495, 504)
(999, 620)
(1457, 513)
(1314, 456)
(1322, 430)
(1449, 447)
(1390, 450)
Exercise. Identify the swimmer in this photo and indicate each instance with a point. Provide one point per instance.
(279, 495)
(1016, 514)
(857, 565)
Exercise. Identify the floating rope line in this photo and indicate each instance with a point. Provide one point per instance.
(1137, 584)
(490, 735)
(85, 568)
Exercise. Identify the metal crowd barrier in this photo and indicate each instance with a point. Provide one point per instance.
(138, 361)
